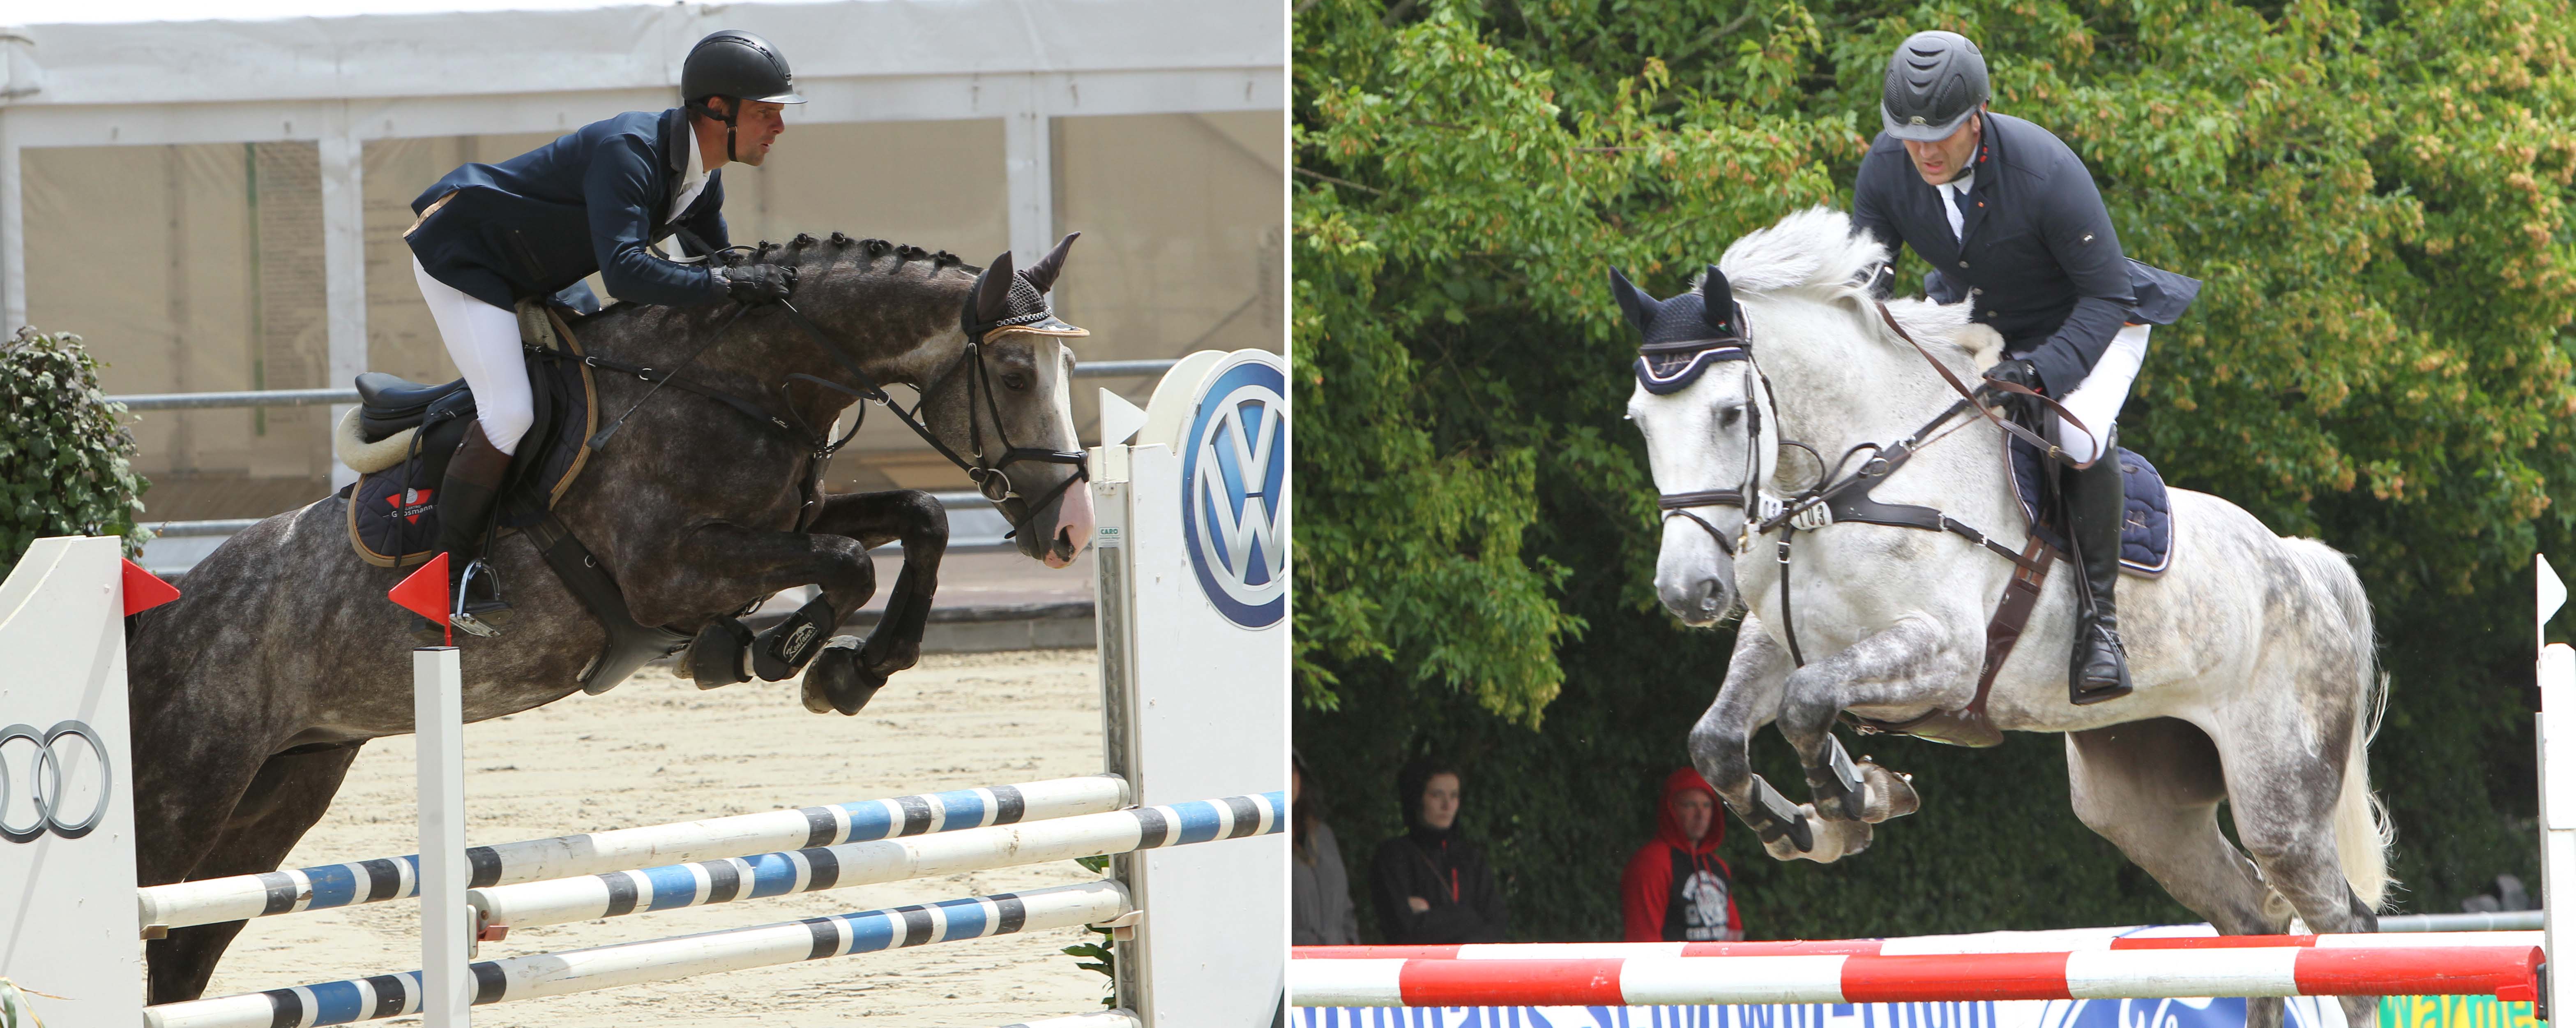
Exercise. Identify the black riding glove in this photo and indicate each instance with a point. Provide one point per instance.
(757, 283)
(2017, 372)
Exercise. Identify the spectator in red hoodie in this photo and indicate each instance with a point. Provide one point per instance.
(1676, 889)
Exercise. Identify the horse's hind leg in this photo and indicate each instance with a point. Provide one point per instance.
(288, 795)
(2283, 798)
(848, 673)
(2153, 788)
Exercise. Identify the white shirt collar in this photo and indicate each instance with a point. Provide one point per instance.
(693, 180)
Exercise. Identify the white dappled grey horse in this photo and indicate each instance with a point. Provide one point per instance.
(2256, 675)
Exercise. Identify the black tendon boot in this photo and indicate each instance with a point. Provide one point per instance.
(2096, 504)
(465, 501)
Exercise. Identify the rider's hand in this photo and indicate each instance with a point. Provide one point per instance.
(1418, 904)
(758, 283)
(2017, 372)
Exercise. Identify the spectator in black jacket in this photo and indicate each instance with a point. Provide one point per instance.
(1431, 886)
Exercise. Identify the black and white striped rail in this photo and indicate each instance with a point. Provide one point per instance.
(375, 881)
(632, 963)
(677, 886)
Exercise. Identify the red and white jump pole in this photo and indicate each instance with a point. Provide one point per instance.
(2507, 972)
(1920, 945)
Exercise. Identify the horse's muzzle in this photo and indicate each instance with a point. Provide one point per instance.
(1072, 529)
(1699, 600)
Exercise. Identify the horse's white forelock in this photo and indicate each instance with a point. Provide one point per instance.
(1817, 251)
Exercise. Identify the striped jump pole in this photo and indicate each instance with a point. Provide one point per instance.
(1921, 945)
(2506, 972)
(600, 967)
(375, 881)
(618, 893)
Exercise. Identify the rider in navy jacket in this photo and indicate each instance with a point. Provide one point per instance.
(491, 235)
(594, 200)
(2010, 221)
(2039, 261)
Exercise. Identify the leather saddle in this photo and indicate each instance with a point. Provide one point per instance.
(388, 403)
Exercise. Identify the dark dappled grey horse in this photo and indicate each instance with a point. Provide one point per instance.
(253, 692)
(2256, 670)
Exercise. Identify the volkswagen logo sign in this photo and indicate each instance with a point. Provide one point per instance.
(1234, 490)
(48, 784)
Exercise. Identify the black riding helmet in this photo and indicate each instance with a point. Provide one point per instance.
(735, 64)
(1935, 81)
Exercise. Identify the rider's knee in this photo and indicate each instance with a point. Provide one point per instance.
(505, 427)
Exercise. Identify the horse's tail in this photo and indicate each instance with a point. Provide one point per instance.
(2361, 828)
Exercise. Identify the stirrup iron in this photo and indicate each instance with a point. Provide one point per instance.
(465, 619)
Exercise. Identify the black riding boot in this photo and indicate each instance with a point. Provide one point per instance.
(465, 501)
(2096, 504)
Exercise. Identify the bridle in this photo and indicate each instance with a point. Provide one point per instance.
(990, 473)
(1665, 368)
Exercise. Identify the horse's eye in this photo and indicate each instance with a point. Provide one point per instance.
(1015, 381)
(1730, 417)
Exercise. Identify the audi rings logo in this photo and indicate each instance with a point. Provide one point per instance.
(1234, 500)
(67, 789)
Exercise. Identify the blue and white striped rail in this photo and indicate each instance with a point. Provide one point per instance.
(600, 967)
(375, 881)
(618, 893)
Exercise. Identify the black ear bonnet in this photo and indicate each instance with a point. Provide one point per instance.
(1004, 299)
(1683, 335)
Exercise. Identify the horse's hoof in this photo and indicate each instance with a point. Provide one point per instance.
(716, 656)
(1889, 794)
(836, 681)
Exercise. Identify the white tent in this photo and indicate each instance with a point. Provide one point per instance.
(216, 205)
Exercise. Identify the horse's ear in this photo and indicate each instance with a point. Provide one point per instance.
(992, 299)
(1717, 302)
(1639, 307)
(1042, 274)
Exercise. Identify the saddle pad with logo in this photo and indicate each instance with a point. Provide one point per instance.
(2146, 532)
(393, 513)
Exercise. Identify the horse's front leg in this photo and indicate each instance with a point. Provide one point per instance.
(729, 560)
(1720, 744)
(1917, 662)
(848, 672)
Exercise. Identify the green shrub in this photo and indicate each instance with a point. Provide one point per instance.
(65, 458)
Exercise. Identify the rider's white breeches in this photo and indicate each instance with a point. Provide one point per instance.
(2096, 401)
(484, 341)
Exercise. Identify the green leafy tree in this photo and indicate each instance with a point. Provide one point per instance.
(64, 456)
(2375, 194)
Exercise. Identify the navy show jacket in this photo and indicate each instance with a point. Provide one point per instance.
(592, 200)
(2036, 253)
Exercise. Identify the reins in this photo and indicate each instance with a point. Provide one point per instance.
(991, 478)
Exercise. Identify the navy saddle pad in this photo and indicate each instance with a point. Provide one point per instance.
(2146, 534)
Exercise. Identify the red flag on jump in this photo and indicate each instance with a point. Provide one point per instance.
(425, 594)
(144, 590)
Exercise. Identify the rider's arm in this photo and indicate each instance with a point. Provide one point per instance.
(2077, 230)
(619, 193)
(1869, 206)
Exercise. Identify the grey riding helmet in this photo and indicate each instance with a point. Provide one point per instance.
(1935, 82)
(737, 64)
